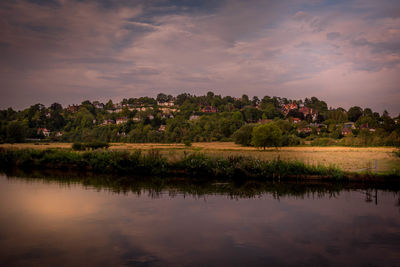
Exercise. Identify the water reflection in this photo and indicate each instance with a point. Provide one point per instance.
(105, 221)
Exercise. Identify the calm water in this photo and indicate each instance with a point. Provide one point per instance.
(51, 223)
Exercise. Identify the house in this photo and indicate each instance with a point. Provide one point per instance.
(98, 105)
(346, 131)
(151, 117)
(307, 111)
(305, 130)
(58, 134)
(73, 108)
(288, 107)
(349, 125)
(166, 110)
(135, 119)
(209, 109)
(44, 131)
(166, 104)
(107, 122)
(194, 117)
(296, 120)
(121, 120)
(117, 110)
(162, 128)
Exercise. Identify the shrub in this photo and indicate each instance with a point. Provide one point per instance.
(97, 145)
(323, 142)
(78, 146)
(187, 142)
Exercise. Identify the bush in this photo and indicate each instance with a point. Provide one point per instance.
(92, 145)
(78, 146)
(323, 142)
(243, 135)
(97, 145)
(187, 142)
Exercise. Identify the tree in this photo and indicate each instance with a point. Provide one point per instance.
(243, 135)
(266, 135)
(354, 113)
(15, 132)
(162, 98)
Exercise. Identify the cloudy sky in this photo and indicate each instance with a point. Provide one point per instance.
(346, 52)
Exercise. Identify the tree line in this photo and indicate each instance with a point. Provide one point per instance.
(243, 120)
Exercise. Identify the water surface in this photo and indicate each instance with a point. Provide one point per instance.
(57, 223)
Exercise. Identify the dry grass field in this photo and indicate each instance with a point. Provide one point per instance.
(378, 159)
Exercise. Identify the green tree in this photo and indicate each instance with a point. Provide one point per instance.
(266, 135)
(354, 113)
(15, 132)
(243, 135)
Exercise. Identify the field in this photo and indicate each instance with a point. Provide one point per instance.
(376, 159)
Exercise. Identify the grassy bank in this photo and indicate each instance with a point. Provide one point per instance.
(153, 162)
(348, 159)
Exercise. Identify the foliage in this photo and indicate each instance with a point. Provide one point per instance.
(15, 132)
(266, 135)
(244, 134)
(194, 165)
(91, 145)
(146, 121)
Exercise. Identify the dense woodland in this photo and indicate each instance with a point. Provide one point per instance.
(189, 118)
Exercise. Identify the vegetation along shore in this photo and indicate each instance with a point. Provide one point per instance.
(198, 165)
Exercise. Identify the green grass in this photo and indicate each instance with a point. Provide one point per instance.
(152, 162)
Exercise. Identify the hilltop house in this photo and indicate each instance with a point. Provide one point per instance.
(194, 117)
(107, 122)
(166, 104)
(349, 125)
(73, 108)
(43, 131)
(121, 120)
(288, 107)
(209, 109)
(305, 130)
(296, 120)
(346, 131)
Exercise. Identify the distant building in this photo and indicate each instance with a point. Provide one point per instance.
(346, 131)
(288, 107)
(166, 104)
(43, 131)
(107, 122)
(162, 128)
(296, 120)
(121, 120)
(209, 109)
(305, 130)
(98, 105)
(73, 108)
(59, 134)
(194, 117)
(349, 125)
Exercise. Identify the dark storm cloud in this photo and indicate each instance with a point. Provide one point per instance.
(70, 50)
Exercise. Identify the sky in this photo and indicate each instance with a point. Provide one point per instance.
(346, 52)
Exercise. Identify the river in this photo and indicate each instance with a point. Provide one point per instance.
(46, 222)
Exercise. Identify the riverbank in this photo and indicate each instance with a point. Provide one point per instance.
(196, 164)
(348, 159)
